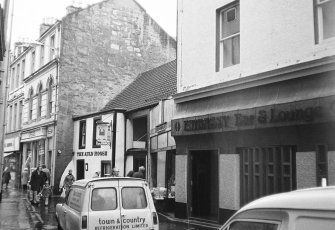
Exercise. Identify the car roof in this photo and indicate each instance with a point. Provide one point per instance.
(320, 198)
(84, 182)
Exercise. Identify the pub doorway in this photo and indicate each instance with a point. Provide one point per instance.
(204, 185)
(80, 169)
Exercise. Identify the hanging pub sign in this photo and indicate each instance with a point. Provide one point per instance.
(104, 132)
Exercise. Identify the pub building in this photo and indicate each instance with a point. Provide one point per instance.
(255, 102)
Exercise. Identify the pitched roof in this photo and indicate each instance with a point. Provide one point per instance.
(147, 89)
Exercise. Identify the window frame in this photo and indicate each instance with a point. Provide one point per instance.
(18, 75)
(116, 199)
(49, 109)
(23, 66)
(145, 196)
(39, 101)
(30, 105)
(33, 60)
(82, 134)
(278, 223)
(42, 50)
(220, 13)
(318, 162)
(52, 45)
(94, 136)
(318, 21)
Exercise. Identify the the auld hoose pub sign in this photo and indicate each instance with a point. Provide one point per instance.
(302, 112)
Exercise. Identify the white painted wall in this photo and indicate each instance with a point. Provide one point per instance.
(273, 34)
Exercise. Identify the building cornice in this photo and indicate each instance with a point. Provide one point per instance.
(41, 70)
(44, 125)
(118, 110)
(273, 76)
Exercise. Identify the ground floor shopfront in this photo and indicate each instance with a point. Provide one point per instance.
(38, 148)
(252, 143)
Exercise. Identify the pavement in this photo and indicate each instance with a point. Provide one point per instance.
(16, 212)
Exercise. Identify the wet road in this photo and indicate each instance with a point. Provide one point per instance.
(17, 213)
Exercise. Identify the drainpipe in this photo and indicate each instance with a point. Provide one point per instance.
(114, 139)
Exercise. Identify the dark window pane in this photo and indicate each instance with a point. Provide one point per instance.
(133, 198)
(244, 225)
(231, 15)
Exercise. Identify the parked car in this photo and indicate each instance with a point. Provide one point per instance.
(307, 209)
(108, 203)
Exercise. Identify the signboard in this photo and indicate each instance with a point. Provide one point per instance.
(302, 112)
(104, 132)
(12, 144)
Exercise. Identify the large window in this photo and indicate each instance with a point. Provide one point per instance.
(39, 101)
(15, 112)
(82, 134)
(18, 82)
(20, 114)
(12, 86)
(104, 199)
(42, 55)
(228, 29)
(49, 97)
(52, 47)
(33, 56)
(324, 19)
(30, 115)
(266, 170)
(253, 225)
(23, 70)
(94, 141)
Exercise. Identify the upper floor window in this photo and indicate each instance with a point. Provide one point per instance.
(50, 97)
(228, 36)
(30, 115)
(52, 47)
(33, 56)
(324, 19)
(23, 70)
(18, 82)
(42, 55)
(15, 117)
(82, 134)
(321, 164)
(39, 101)
(12, 80)
(95, 124)
(20, 114)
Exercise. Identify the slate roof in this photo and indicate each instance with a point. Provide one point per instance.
(147, 89)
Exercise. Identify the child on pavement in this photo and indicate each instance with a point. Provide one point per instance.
(46, 192)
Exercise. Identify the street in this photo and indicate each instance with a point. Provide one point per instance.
(16, 212)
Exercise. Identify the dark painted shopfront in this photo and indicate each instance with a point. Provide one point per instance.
(242, 145)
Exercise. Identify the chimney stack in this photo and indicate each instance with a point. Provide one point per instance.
(71, 9)
(46, 24)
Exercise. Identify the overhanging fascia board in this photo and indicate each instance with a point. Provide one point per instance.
(273, 76)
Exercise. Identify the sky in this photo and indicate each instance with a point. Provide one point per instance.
(29, 14)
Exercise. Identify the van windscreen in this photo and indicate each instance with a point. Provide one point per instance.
(133, 198)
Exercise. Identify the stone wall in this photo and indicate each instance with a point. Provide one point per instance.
(103, 48)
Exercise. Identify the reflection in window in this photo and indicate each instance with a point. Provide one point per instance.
(245, 225)
(133, 198)
(104, 199)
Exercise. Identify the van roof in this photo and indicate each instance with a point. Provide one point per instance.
(320, 198)
(84, 182)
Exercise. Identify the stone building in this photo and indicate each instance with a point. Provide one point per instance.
(254, 104)
(78, 64)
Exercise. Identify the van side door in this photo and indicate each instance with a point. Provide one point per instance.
(104, 212)
(135, 206)
(74, 208)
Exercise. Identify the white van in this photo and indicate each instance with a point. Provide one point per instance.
(108, 203)
(306, 209)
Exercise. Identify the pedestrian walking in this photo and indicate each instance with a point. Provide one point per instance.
(47, 172)
(25, 179)
(36, 183)
(140, 173)
(68, 181)
(130, 173)
(6, 177)
(115, 172)
(46, 192)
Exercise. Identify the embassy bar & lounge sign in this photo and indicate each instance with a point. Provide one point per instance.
(312, 111)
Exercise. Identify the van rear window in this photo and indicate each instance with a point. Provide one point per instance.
(246, 225)
(133, 198)
(104, 199)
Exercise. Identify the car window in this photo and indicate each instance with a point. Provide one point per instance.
(104, 199)
(313, 223)
(133, 198)
(251, 225)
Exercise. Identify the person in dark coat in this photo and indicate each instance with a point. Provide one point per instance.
(6, 177)
(140, 173)
(25, 179)
(36, 182)
(130, 173)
